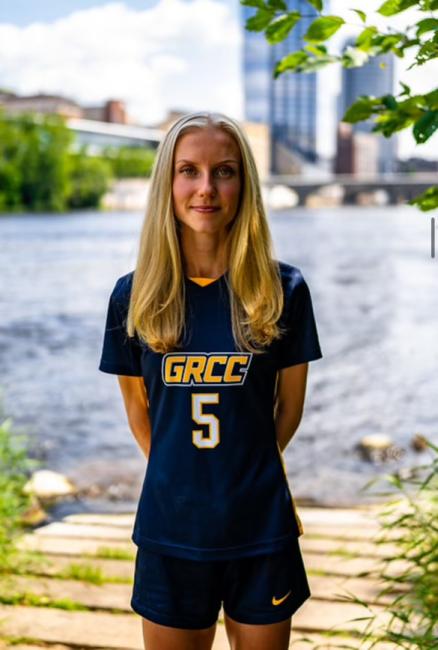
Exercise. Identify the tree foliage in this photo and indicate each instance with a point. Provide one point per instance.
(391, 113)
(41, 171)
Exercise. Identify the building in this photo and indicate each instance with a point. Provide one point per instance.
(113, 110)
(374, 78)
(287, 104)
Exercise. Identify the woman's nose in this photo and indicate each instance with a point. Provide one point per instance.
(207, 184)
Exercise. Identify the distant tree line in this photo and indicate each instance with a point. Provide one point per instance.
(41, 172)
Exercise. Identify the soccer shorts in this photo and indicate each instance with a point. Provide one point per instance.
(185, 593)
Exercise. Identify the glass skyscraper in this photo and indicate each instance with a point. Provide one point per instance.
(374, 78)
(289, 103)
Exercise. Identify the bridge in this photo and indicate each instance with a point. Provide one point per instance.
(399, 187)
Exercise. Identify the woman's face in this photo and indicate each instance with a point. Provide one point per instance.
(206, 173)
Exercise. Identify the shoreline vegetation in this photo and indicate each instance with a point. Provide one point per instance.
(413, 510)
(42, 168)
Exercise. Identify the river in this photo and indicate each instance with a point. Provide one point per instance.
(374, 290)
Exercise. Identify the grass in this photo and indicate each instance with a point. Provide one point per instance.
(413, 606)
(111, 553)
(15, 468)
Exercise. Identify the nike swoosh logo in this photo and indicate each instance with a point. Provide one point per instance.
(277, 601)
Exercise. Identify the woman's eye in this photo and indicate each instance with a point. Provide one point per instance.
(228, 171)
(221, 171)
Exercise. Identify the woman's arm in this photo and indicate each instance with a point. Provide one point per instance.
(137, 409)
(291, 391)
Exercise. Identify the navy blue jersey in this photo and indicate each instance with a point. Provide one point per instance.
(215, 485)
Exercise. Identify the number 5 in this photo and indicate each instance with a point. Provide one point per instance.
(198, 400)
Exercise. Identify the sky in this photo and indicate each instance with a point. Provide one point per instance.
(156, 55)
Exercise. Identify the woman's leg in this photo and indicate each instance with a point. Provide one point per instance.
(241, 636)
(162, 637)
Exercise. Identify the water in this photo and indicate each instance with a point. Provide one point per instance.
(373, 285)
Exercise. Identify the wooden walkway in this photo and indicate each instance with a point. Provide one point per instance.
(54, 606)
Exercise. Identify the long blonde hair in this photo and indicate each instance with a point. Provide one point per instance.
(157, 303)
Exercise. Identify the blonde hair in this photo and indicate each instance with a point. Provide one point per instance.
(157, 303)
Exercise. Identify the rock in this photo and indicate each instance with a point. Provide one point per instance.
(376, 441)
(35, 514)
(378, 447)
(280, 197)
(48, 485)
(418, 442)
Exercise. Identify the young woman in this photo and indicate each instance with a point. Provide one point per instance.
(210, 337)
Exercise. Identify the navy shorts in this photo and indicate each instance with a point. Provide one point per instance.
(185, 593)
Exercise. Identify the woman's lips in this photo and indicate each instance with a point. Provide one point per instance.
(200, 209)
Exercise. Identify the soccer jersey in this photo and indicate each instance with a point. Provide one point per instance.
(215, 485)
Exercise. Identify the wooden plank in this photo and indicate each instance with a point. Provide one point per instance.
(71, 546)
(87, 629)
(67, 530)
(84, 629)
(316, 615)
(332, 517)
(108, 596)
(337, 588)
(345, 566)
(101, 519)
(53, 564)
(322, 642)
(345, 548)
(348, 532)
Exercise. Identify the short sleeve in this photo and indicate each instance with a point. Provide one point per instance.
(121, 355)
(300, 343)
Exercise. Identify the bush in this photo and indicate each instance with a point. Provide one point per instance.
(129, 162)
(413, 602)
(34, 167)
(89, 180)
(15, 468)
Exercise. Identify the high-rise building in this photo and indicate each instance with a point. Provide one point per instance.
(289, 103)
(374, 78)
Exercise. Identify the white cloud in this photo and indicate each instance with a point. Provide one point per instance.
(175, 54)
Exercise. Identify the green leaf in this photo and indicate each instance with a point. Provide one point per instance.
(290, 62)
(279, 30)
(361, 109)
(427, 25)
(313, 64)
(316, 3)
(391, 7)
(316, 50)
(365, 39)
(253, 3)
(361, 14)
(428, 51)
(431, 99)
(428, 200)
(278, 5)
(323, 28)
(260, 21)
(425, 126)
(390, 102)
(386, 42)
(406, 89)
